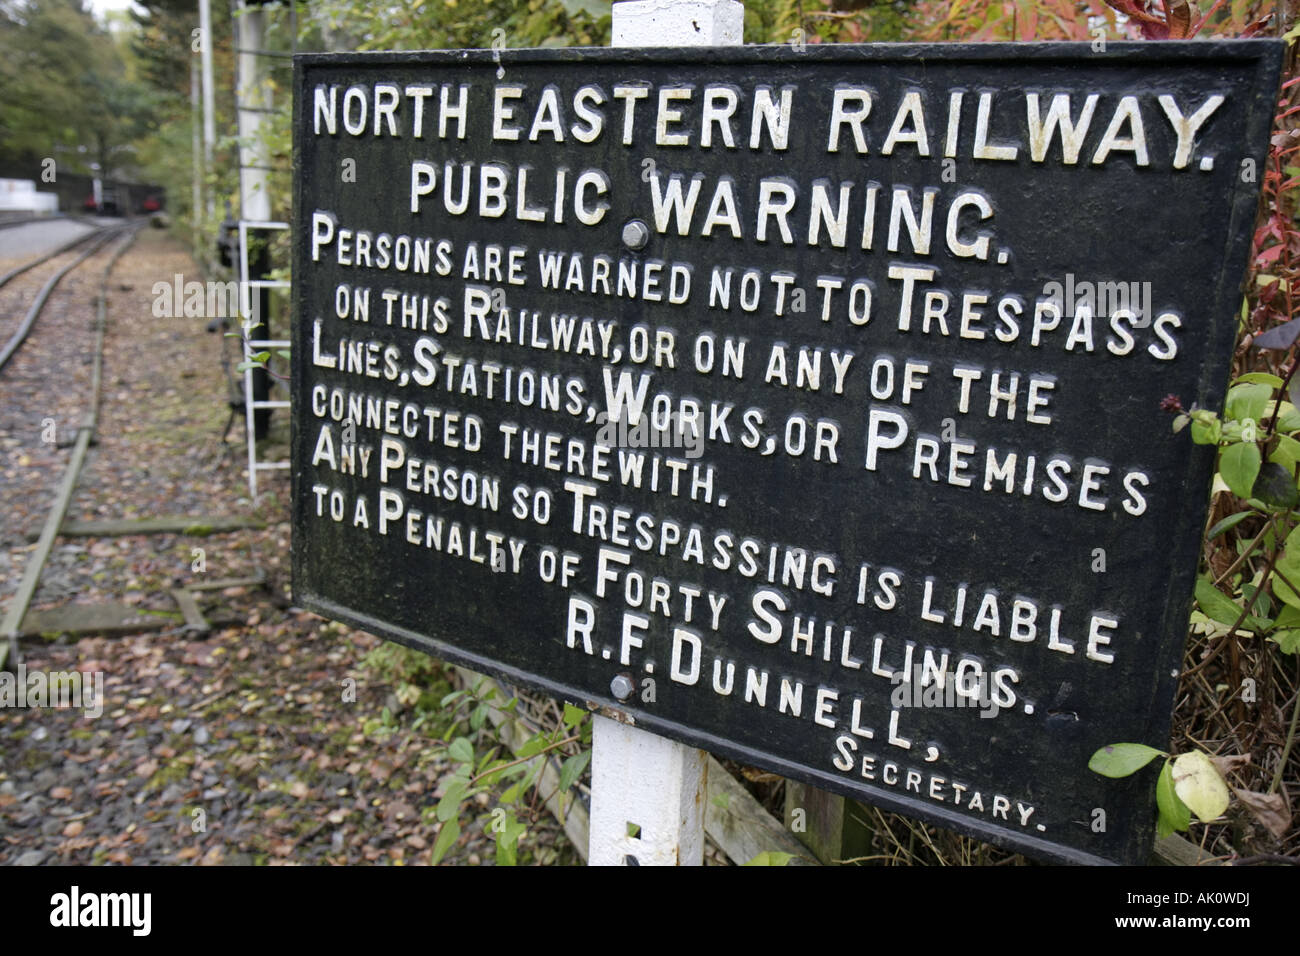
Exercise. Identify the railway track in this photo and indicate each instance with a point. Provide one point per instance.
(54, 382)
(12, 333)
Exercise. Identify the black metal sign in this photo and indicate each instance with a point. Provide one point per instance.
(814, 393)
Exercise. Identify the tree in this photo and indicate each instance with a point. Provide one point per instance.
(66, 93)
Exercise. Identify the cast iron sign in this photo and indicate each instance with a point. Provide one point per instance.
(817, 394)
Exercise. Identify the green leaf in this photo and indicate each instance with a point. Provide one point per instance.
(1206, 428)
(1164, 826)
(1121, 760)
(508, 833)
(573, 715)
(1263, 378)
(1289, 617)
(1171, 807)
(479, 715)
(534, 771)
(1219, 607)
(1286, 454)
(461, 749)
(449, 805)
(1247, 400)
(1239, 466)
(448, 834)
(487, 759)
(1288, 641)
(1286, 571)
(771, 858)
(491, 773)
(531, 746)
(572, 769)
(1275, 486)
(1227, 524)
(1288, 418)
(1198, 784)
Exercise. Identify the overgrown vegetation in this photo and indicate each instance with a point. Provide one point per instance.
(501, 791)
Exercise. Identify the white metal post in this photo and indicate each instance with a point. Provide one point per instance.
(209, 111)
(253, 104)
(196, 143)
(647, 792)
(647, 798)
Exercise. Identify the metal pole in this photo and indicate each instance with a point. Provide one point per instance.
(647, 792)
(197, 154)
(252, 106)
(209, 116)
(252, 99)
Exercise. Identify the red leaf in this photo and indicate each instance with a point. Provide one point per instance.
(1134, 10)
(1269, 255)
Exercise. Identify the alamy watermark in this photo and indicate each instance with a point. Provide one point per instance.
(653, 431)
(58, 689)
(179, 299)
(1075, 296)
(967, 688)
(131, 911)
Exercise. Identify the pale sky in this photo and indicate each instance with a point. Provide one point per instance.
(102, 6)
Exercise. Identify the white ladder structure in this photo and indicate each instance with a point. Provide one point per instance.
(252, 106)
(249, 323)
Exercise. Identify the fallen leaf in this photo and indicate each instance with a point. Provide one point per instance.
(1198, 784)
(1227, 763)
(1270, 809)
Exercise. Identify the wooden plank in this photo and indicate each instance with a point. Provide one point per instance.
(1174, 850)
(107, 618)
(193, 525)
(825, 824)
(740, 826)
(194, 621)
